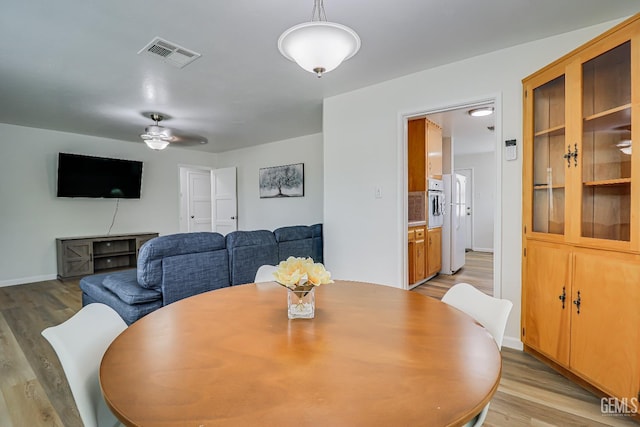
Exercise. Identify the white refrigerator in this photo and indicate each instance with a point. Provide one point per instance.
(453, 228)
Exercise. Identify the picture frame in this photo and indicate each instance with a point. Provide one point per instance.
(281, 181)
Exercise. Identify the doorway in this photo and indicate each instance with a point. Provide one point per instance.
(471, 148)
(208, 199)
(468, 238)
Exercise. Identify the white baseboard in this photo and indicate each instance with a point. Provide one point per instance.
(25, 280)
(482, 249)
(513, 343)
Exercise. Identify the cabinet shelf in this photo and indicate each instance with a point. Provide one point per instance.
(546, 187)
(618, 118)
(619, 181)
(554, 131)
(113, 254)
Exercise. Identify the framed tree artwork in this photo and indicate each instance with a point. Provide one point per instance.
(282, 181)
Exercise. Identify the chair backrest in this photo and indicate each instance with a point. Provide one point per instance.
(80, 343)
(490, 312)
(265, 273)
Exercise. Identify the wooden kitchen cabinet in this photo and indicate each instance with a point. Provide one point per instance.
(417, 254)
(411, 254)
(434, 150)
(581, 230)
(424, 153)
(434, 251)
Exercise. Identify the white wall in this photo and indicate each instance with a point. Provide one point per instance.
(31, 216)
(363, 148)
(269, 214)
(484, 200)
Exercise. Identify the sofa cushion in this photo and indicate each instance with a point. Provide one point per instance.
(296, 241)
(248, 250)
(155, 250)
(125, 285)
(94, 291)
(317, 250)
(191, 274)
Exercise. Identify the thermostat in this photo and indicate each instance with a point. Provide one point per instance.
(510, 150)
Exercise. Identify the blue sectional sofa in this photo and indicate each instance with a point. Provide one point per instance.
(177, 266)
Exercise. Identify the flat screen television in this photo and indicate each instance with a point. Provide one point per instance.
(99, 177)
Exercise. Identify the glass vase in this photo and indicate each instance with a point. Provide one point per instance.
(301, 304)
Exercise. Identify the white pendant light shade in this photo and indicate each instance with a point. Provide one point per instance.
(319, 46)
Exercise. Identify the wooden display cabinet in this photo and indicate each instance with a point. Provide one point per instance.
(581, 227)
(81, 256)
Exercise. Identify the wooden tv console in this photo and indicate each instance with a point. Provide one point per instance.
(81, 256)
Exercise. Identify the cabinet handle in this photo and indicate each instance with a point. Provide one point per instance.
(577, 302)
(568, 156)
(563, 297)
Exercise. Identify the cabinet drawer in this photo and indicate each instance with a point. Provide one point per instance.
(411, 235)
(420, 234)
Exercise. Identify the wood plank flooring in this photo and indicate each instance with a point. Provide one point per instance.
(34, 391)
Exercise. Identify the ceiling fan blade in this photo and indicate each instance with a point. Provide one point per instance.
(186, 138)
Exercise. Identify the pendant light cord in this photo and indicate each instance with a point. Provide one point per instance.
(115, 212)
(318, 13)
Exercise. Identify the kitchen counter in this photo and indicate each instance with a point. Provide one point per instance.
(417, 223)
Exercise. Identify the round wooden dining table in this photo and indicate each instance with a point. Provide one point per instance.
(372, 356)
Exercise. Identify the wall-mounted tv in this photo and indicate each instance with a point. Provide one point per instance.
(88, 176)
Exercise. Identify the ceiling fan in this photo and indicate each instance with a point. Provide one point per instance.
(159, 137)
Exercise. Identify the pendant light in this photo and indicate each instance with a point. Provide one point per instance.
(319, 46)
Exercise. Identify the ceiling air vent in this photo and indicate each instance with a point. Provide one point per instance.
(169, 52)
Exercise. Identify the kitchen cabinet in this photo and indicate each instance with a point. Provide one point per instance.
(424, 153)
(417, 254)
(434, 251)
(81, 256)
(581, 230)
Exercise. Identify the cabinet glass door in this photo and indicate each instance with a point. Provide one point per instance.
(606, 145)
(548, 161)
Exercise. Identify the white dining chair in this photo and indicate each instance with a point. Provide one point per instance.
(492, 313)
(265, 274)
(80, 343)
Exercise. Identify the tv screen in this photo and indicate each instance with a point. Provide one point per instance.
(87, 176)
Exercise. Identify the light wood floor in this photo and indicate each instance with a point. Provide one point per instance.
(34, 391)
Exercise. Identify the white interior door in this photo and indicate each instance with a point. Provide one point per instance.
(198, 200)
(468, 201)
(225, 200)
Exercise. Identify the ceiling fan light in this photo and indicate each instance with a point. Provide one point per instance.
(481, 112)
(155, 131)
(319, 46)
(156, 143)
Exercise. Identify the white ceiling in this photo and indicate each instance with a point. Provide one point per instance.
(72, 65)
(469, 135)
